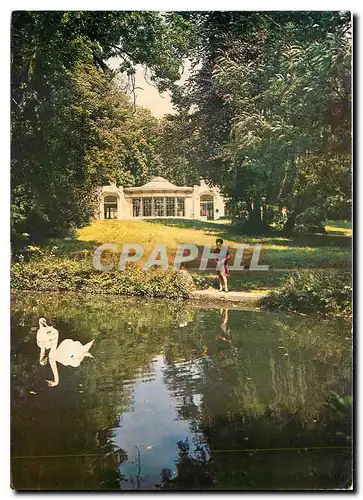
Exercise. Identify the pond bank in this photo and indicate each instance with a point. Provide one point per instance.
(212, 295)
(200, 298)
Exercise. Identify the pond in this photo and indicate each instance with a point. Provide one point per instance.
(180, 397)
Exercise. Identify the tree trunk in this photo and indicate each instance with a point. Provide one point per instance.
(256, 214)
(255, 225)
(289, 225)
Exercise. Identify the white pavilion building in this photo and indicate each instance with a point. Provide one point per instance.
(160, 198)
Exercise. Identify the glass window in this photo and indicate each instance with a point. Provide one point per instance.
(136, 207)
(180, 207)
(158, 207)
(206, 197)
(170, 207)
(110, 199)
(147, 204)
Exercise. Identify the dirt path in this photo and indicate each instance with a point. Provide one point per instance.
(211, 294)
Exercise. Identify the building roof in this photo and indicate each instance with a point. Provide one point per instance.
(157, 184)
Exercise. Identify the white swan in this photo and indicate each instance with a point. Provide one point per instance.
(68, 353)
(46, 337)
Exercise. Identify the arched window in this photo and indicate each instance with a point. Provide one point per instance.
(136, 207)
(110, 207)
(207, 206)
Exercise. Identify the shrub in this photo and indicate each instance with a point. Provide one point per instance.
(327, 292)
(205, 282)
(310, 221)
(275, 217)
(76, 276)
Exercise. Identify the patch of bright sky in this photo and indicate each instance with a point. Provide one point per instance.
(147, 95)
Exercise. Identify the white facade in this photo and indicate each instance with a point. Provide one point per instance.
(160, 198)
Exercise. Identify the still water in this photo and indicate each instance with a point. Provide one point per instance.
(180, 397)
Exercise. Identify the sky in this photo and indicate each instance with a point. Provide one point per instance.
(147, 95)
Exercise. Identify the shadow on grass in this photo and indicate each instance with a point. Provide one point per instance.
(317, 250)
(232, 232)
(71, 247)
(212, 228)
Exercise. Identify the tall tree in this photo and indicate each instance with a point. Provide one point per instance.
(254, 42)
(291, 130)
(177, 148)
(70, 124)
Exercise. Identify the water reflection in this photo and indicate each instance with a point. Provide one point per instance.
(225, 327)
(47, 336)
(161, 408)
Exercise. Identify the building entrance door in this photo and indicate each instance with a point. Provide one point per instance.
(110, 207)
(207, 206)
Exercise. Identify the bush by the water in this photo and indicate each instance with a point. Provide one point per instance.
(78, 276)
(327, 292)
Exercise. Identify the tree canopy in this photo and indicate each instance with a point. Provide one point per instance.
(72, 126)
(290, 134)
(269, 98)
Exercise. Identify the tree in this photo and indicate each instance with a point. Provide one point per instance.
(143, 161)
(291, 131)
(177, 148)
(254, 42)
(70, 122)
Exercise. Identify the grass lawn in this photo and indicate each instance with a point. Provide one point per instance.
(281, 254)
(328, 250)
(343, 227)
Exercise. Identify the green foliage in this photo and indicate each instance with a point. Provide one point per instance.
(310, 221)
(342, 404)
(265, 91)
(54, 274)
(338, 207)
(291, 100)
(177, 150)
(326, 292)
(73, 128)
(268, 90)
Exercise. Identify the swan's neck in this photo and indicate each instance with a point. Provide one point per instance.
(54, 367)
(53, 347)
(53, 360)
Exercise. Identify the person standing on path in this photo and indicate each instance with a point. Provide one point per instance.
(222, 266)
